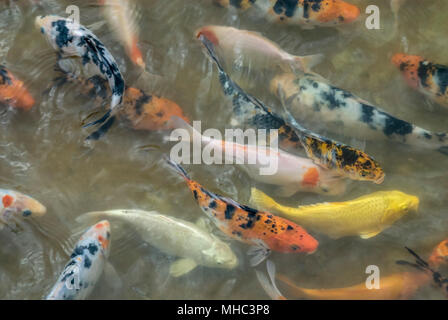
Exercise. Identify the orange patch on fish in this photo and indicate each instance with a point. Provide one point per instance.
(408, 65)
(104, 242)
(13, 91)
(135, 54)
(209, 34)
(337, 10)
(7, 201)
(311, 177)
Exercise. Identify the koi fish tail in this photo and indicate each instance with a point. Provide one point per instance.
(261, 200)
(269, 285)
(177, 167)
(103, 128)
(136, 55)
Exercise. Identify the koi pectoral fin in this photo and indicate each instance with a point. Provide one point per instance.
(259, 253)
(269, 285)
(182, 266)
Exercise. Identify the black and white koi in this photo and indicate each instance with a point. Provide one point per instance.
(70, 39)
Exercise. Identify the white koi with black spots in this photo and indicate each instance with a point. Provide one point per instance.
(314, 102)
(86, 265)
(70, 39)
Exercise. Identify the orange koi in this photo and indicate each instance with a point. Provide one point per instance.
(13, 91)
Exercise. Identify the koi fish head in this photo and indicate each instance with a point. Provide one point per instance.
(13, 91)
(295, 239)
(56, 29)
(100, 233)
(17, 204)
(208, 33)
(408, 66)
(220, 255)
(400, 204)
(332, 12)
(439, 255)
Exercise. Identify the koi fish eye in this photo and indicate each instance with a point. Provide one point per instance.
(26, 213)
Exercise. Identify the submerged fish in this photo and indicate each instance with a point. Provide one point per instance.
(15, 204)
(13, 91)
(120, 14)
(140, 110)
(428, 78)
(86, 265)
(261, 52)
(319, 104)
(339, 158)
(290, 173)
(366, 216)
(401, 285)
(71, 39)
(307, 13)
(194, 245)
(260, 229)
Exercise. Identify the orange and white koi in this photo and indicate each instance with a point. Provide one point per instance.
(70, 39)
(140, 111)
(236, 44)
(290, 173)
(263, 230)
(428, 78)
(15, 204)
(13, 91)
(306, 13)
(120, 15)
(86, 265)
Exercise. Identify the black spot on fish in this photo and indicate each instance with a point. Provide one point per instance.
(425, 71)
(349, 156)
(141, 101)
(289, 227)
(195, 194)
(79, 250)
(93, 248)
(268, 221)
(4, 76)
(396, 126)
(442, 78)
(26, 213)
(63, 38)
(286, 7)
(87, 262)
(330, 98)
(314, 5)
(427, 135)
(295, 247)
(230, 211)
(237, 3)
(367, 113)
(237, 233)
(213, 205)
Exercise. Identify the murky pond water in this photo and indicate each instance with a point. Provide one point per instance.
(43, 153)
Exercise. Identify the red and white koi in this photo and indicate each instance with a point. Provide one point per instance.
(13, 91)
(260, 51)
(424, 76)
(290, 173)
(70, 39)
(86, 265)
(120, 14)
(263, 230)
(306, 13)
(15, 204)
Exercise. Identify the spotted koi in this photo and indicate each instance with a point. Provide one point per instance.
(306, 13)
(140, 110)
(86, 265)
(257, 228)
(428, 78)
(15, 204)
(13, 91)
(71, 39)
(314, 101)
(338, 157)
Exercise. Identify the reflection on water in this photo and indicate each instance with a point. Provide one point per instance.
(43, 153)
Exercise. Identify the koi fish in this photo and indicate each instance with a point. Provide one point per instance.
(290, 173)
(86, 265)
(428, 78)
(71, 39)
(335, 156)
(140, 110)
(262, 230)
(306, 13)
(366, 216)
(313, 101)
(396, 286)
(15, 204)
(13, 91)
(192, 243)
(235, 43)
(120, 15)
